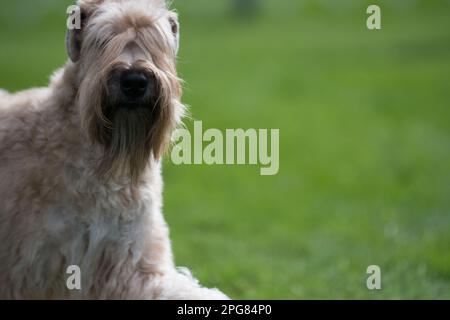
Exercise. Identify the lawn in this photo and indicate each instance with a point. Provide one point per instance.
(364, 119)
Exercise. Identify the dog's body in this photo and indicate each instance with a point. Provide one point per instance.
(80, 180)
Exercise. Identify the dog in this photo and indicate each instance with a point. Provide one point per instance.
(80, 164)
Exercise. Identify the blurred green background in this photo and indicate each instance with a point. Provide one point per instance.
(364, 119)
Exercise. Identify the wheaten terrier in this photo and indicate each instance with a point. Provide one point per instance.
(80, 180)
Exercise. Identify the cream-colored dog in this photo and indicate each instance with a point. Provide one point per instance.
(80, 180)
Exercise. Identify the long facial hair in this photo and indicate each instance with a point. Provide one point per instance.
(128, 141)
(130, 138)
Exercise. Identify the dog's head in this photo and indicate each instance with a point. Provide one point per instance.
(128, 90)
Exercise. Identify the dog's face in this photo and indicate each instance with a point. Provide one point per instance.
(129, 93)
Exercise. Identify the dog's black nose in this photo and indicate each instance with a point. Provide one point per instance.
(134, 84)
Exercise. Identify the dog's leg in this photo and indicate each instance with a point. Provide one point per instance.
(172, 283)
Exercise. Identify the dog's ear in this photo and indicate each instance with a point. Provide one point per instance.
(75, 23)
(73, 45)
(175, 27)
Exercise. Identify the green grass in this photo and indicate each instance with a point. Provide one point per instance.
(364, 120)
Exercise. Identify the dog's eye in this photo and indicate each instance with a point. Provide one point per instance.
(174, 26)
(84, 19)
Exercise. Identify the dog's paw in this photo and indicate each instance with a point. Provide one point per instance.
(216, 294)
(182, 285)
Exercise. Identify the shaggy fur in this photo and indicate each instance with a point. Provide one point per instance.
(80, 180)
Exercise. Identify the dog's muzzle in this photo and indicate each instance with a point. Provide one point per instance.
(133, 88)
(134, 84)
